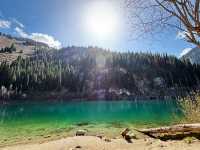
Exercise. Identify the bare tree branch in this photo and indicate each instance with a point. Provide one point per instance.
(182, 15)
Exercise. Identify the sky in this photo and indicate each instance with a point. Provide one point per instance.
(62, 23)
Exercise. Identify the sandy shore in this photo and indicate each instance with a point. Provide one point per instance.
(95, 143)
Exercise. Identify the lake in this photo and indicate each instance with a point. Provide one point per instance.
(30, 121)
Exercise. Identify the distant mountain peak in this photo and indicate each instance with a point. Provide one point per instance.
(185, 51)
(192, 54)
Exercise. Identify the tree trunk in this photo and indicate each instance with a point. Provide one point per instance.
(173, 132)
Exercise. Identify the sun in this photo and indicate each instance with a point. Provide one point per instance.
(102, 20)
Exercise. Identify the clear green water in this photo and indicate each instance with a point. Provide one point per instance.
(20, 122)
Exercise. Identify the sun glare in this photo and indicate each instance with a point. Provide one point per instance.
(102, 20)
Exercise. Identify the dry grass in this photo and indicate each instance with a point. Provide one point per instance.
(10, 57)
(191, 108)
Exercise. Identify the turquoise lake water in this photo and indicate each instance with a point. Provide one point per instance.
(35, 119)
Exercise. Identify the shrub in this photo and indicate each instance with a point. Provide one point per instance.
(10, 49)
(191, 108)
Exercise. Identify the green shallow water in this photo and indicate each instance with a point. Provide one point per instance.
(23, 121)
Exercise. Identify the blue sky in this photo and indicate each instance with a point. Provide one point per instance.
(63, 21)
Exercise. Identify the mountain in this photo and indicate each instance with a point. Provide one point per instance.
(193, 55)
(31, 69)
(95, 73)
(24, 47)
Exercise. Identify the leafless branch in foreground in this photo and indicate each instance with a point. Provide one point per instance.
(148, 16)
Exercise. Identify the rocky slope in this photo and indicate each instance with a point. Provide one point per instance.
(24, 47)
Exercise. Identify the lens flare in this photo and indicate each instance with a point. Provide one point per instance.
(102, 20)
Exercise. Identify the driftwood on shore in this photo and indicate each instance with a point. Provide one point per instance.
(173, 132)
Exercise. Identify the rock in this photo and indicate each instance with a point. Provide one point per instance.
(81, 132)
(78, 146)
(161, 144)
(107, 140)
(82, 124)
(130, 136)
(149, 143)
(125, 132)
(24, 95)
(100, 136)
(48, 136)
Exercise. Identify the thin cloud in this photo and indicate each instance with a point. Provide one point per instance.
(47, 39)
(5, 24)
(21, 32)
(18, 23)
(40, 37)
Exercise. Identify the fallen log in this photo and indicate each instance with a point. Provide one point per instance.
(174, 132)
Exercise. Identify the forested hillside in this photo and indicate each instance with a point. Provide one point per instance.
(94, 73)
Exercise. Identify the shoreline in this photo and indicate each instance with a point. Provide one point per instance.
(46, 136)
(96, 138)
(96, 143)
(73, 96)
(109, 132)
(57, 100)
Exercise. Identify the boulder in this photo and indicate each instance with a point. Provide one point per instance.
(107, 140)
(124, 132)
(128, 135)
(100, 136)
(78, 147)
(81, 132)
